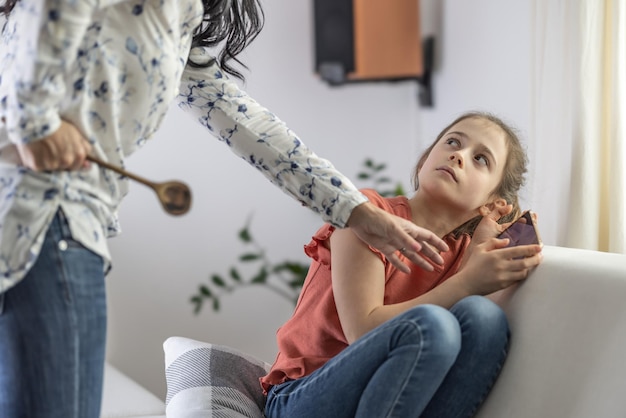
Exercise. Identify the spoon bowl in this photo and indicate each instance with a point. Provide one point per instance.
(175, 196)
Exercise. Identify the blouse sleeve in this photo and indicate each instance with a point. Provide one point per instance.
(42, 38)
(264, 141)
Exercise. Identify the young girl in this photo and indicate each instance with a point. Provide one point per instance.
(367, 340)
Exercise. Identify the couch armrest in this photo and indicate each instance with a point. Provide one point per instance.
(568, 339)
(123, 397)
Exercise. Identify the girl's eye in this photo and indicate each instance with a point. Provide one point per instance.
(482, 160)
(453, 141)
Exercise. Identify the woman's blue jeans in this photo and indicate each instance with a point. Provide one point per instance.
(52, 333)
(426, 362)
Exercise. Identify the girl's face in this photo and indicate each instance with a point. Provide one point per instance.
(466, 165)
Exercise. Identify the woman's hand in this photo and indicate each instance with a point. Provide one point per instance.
(492, 266)
(389, 233)
(65, 149)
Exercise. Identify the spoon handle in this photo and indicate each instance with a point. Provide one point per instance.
(120, 170)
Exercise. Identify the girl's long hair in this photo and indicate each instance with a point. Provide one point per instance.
(234, 22)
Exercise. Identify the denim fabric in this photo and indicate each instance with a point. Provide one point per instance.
(52, 333)
(426, 362)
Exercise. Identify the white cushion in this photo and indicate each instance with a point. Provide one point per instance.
(208, 380)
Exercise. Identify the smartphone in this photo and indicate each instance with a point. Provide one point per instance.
(523, 231)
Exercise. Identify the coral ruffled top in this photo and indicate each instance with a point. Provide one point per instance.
(314, 335)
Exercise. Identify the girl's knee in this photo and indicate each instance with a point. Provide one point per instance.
(482, 315)
(438, 328)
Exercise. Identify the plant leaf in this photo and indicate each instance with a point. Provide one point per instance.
(249, 257)
(197, 308)
(292, 267)
(216, 304)
(380, 167)
(234, 274)
(205, 291)
(244, 234)
(260, 278)
(297, 283)
(197, 304)
(218, 280)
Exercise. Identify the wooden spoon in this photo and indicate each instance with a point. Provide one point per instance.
(175, 197)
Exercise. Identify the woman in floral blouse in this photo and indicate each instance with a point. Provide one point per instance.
(96, 77)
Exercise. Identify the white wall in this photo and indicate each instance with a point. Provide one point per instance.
(483, 62)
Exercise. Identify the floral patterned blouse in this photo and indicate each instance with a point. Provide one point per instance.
(112, 68)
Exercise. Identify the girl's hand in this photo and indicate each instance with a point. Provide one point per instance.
(489, 226)
(487, 229)
(65, 149)
(492, 267)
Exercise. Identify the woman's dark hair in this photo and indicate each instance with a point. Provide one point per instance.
(513, 176)
(7, 7)
(237, 22)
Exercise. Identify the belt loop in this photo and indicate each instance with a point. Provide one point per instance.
(64, 225)
(61, 215)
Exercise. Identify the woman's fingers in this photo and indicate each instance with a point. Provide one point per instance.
(389, 234)
(65, 149)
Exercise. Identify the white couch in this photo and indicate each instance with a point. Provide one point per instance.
(124, 398)
(567, 357)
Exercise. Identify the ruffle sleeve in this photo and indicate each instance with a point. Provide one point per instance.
(318, 249)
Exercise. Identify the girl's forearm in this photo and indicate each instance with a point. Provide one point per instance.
(445, 295)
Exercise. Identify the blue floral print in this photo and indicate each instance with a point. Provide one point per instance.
(112, 68)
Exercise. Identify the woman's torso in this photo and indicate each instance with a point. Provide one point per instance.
(124, 77)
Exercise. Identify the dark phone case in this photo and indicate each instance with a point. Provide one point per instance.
(522, 232)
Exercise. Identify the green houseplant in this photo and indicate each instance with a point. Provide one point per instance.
(284, 277)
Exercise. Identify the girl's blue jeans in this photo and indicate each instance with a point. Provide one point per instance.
(426, 362)
(52, 333)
